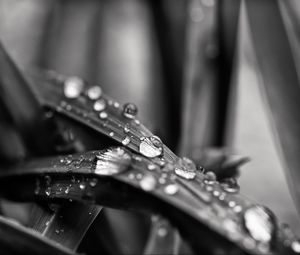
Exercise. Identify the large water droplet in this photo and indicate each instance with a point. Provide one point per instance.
(99, 105)
(230, 185)
(260, 223)
(187, 169)
(130, 110)
(148, 183)
(184, 173)
(112, 161)
(73, 87)
(94, 92)
(171, 189)
(151, 147)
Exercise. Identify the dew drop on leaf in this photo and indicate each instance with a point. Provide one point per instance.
(148, 183)
(126, 140)
(130, 110)
(151, 147)
(94, 92)
(112, 161)
(99, 105)
(73, 87)
(171, 189)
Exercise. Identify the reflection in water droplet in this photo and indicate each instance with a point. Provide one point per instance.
(230, 185)
(112, 161)
(260, 223)
(94, 92)
(171, 189)
(111, 134)
(99, 105)
(151, 147)
(210, 178)
(116, 105)
(126, 140)
(103, 115)
(130, 110)
(148, 183)
(73, 87)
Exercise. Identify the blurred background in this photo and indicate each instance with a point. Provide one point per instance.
(200, 72)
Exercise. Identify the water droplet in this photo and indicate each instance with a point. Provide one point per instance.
(237, 209)
(296, 246)
(151, 167)
(260, 223)
(126, 140)
(148, 183)
(130, 110)
(216, 193)
(116, 105)
(67, 190)
(103, 115)
(230, 185)
(151, 147)
(99, 105)
(127, 128)
(94, 92)
(73, 87)
(112, 161)
(162, 232)
(232, 204)
(189, 175)
(210, 178)
(171, 189)
(82, 186)
(111, 134)
(93, 182)
(131, 176)
(139, 176)
(48, 191)
(68, 107)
